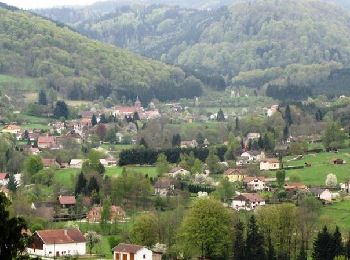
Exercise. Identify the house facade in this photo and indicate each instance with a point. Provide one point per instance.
(47, 142)
(116, 213)
(57, 243)
(270, 164)
(235, 174)
(164, 187)
(4, 179)
(255, 183)
(131, 252)
(247, 201)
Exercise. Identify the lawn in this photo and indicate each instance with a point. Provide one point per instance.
(66, 177)
(338, 214)
(321, 165)
(23, 84)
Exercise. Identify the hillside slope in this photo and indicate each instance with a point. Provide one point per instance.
(257, 35)
(80, 68)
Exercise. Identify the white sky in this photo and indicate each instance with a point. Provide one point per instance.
(30, 4)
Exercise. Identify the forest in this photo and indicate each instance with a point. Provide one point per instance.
(79, 68)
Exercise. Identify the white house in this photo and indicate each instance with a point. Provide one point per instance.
(253, 156)
(247, 201)
(255, 183)
(178, 171)
(76, 163)
(269, 164)
(57, 242)
(4, 179)
(322, 194)
(131, 252)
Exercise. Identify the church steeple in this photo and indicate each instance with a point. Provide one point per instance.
(138, 104)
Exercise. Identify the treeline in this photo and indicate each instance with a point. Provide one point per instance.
(290, 92)
(149, 156)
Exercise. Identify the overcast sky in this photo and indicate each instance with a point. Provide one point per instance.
(30, 4)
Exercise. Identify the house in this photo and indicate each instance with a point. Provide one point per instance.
(272, 110)
(50, 163)
(164, 186)
(189, 144)
(57, 242)
(178, 171)
(255, 183)
(131, 252)
(12, 129)
(66, 201)
(269, 164)
(253, 156)
(235, 174)
(295, 186)
(4, 179)
(116, 213)
(47, 142)
(345, 187)
(76, 163)
(33, 150)
(108, 162)
(247, 201)
(322, 194)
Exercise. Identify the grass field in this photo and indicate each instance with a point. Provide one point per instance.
(146, 170)
(321, 165)
(23, 84)
(338, 214)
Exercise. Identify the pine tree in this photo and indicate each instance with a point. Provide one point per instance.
(12, 184)
(93, 120)
(61, 110)
(220, 116)
(255, 241)
(42, 99)
(271, 254)
(285, 133)
(302, 253)
(322, 245)
(337, 244)
(239, 242)
(93, 185)
(103, 119)
(237, 124)
(136, 117)
(80, 186)
(347, 247)
(288, 116)
(200, 139)
(176, 141)
(143, 142)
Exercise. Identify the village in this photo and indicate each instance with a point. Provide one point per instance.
(74, 171)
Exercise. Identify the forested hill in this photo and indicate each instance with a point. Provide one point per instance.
(80, 68)
(250, 36)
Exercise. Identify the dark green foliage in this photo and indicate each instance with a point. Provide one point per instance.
(281, 177)
(220, 116)
(337, 243)
(93, 120)
(289, 92)
(12, 184)
(149, 156)
(61, 110)
(302, 253)
(42, 99)
(80, 186)
(255, 241)
(93, 185)
(176, 141)
(239, 242)
(288, 116)
(12, 239)
(270, 253)
(135, 117)
(323, 245)
(237, 128)
(200, 139)
(286, 133)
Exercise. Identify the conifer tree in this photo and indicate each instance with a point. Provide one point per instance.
(337, 244)
(288, 116)
(80, 186)
(220, 116)
(255, 241)
(271, 253)
(302, 253)
(237, 124)
(12, 184)
(93, 120)
(239, 242)
(322, 245)
(42, 99)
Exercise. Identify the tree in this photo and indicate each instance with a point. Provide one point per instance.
(237, 127)
(220, 116)
(61, 110)
(42, 99)
(286, 133)
(322, 245)
(103, 119)
(206, 229)
(162, 164)
(93, 185)
(144, 230)
(12, 184)
(270, 254)
(225, 190)
(288, 116)
(331, 180)
(232, 147)
(200, 139)
(135, 117)
(101, 131)
(239, 242)
(12, 238)
(337, 243)
(255, 241)
(281, 178)
(347, 247)
(334, 136)
(176, 141)
(93, 120)
(92, 238)
(213, 162)
(302, 253)
(106, 210)
(80, 186)
(111, 136)
(32, 165)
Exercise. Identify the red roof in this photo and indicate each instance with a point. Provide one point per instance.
(48, 162)
(3, 176)
(67, 200)
(252, 197)
(248, 179)
(46, 139)
(127, 248)
(126, 109)
(61, 236)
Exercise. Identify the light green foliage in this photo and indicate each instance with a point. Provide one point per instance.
(334, 137)
(144, 230)
(162, 164)
(225, 190)
(32, 165)
(206, 229)
(213, 162)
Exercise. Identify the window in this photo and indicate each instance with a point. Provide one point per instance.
(144, 256)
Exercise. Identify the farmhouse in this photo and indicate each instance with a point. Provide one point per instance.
(189, 144)
(178, 171)
(50, 163)
(164, 187)
(269, 164)
(57, 242)
(12, 129)
(131, 252)
(253, 156)
(76, 163)
(322, 194)
(247, 201)
(116, 213)
(66, 201)
(4, 179)
(235, 174)
(47, 142)
(255, 183)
